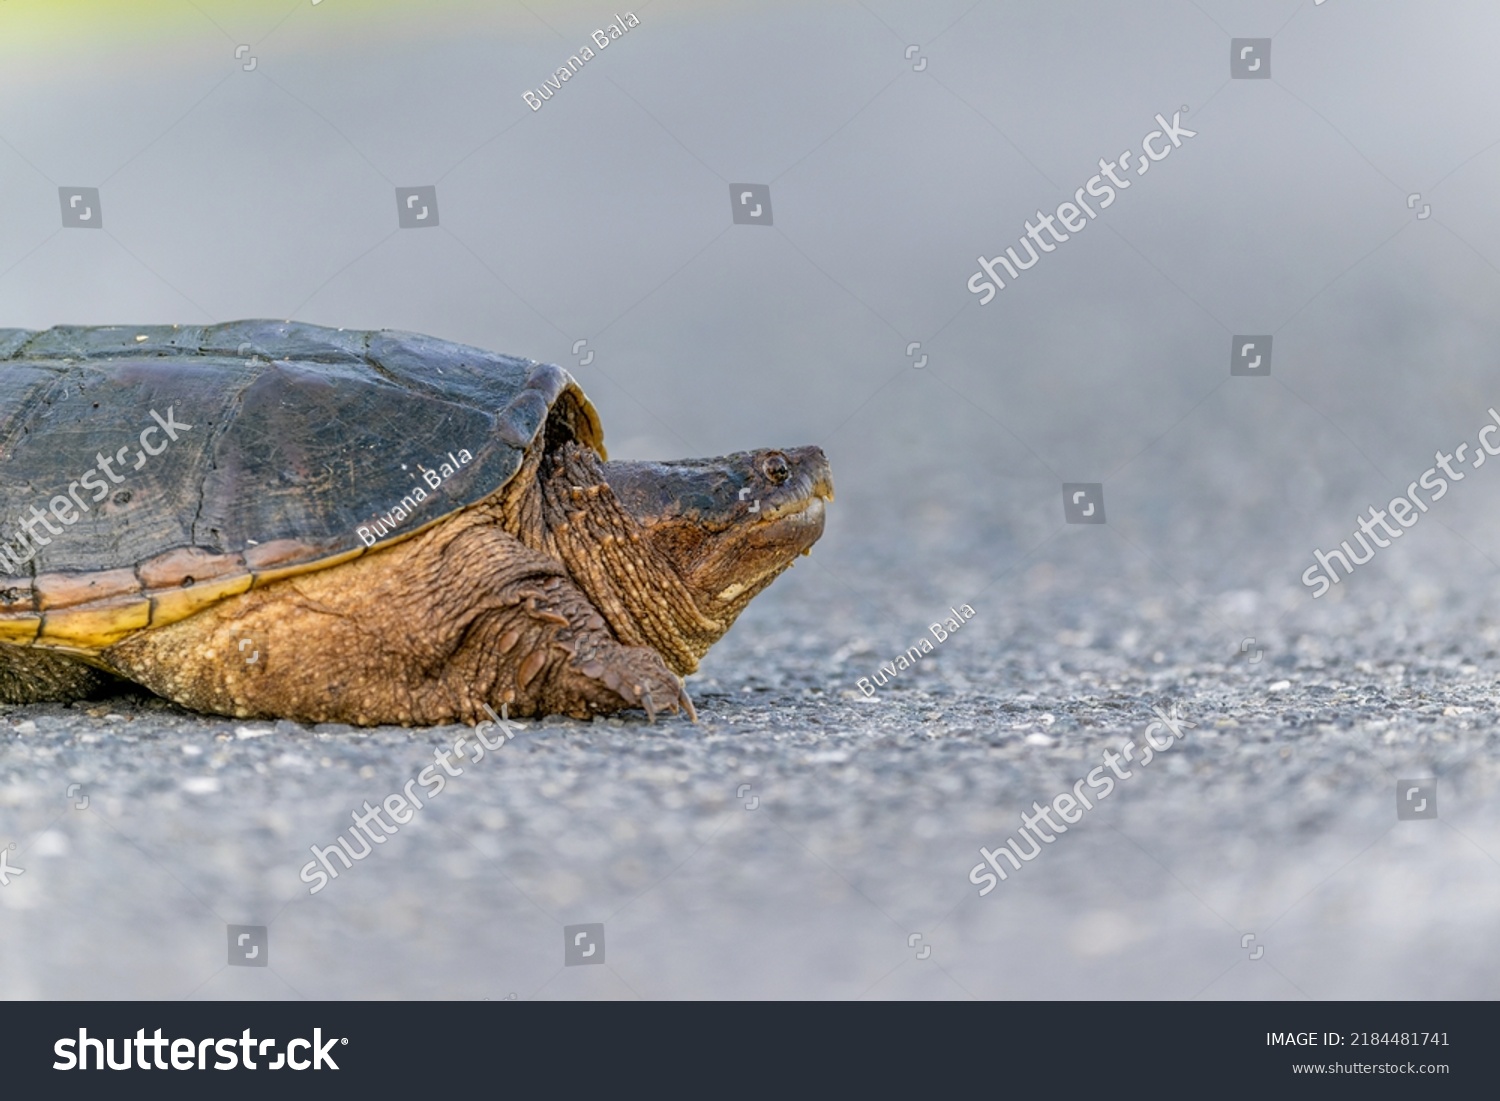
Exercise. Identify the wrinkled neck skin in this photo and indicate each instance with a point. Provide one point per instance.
(669, 552)
(567, 511)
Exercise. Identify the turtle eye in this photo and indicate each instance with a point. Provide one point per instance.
(775, 467)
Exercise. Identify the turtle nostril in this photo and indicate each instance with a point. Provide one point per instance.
(776, 468)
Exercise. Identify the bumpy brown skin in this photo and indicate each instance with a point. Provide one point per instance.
(581, 588)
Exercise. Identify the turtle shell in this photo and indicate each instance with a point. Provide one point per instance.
(148, 472)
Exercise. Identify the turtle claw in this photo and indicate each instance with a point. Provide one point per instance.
(615, 677)
(681, 703)
(686, 704)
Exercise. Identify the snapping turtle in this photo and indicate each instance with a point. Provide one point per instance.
(273, 519)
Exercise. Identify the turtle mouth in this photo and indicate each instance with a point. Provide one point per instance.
(792, 528)
(777, 535)
(797, 514)
(731, 524)
(797, 523)
(808, 504)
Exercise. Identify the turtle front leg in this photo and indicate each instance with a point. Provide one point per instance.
(563, 659)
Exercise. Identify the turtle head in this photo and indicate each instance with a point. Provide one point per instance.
(727, 525)
(671, 552)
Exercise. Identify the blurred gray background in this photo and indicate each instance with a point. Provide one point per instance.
(899, 141)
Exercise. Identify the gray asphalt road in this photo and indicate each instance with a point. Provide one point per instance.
(1325, 828)
(796, 841)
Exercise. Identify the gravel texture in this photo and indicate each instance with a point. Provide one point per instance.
(793, 842)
